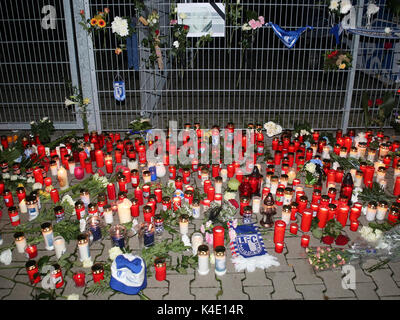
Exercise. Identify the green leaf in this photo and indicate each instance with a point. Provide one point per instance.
(317, 233)
(42, 261)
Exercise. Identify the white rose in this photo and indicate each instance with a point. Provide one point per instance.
(176, 44)
(334, 5)
(229, 195)
(183, 15)
(6, 257)
(120, 26)
(114, 252)
(310, 167)
(388, 30)
(88, 263)
(345, 6)
(73, 296)
(14, 177)
(246, 27)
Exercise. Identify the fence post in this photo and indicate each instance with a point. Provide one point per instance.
(87, 65)
(350, 82)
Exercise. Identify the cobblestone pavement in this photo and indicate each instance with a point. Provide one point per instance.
(293, 279)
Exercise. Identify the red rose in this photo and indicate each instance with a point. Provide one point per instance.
(388, 45)
(370, 103)
(327, 239)
(157, 32)
(378, 102)
(341, 240)
(82, 12)
(234, 203)
(185, 27)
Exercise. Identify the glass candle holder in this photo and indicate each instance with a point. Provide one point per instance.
(203, 256)
(220, 260)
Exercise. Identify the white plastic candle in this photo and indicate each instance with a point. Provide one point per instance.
(197, 240)
(381, 211)
(218, 186)
(203, 255)
(224, 175)
(256, 204)
(325, 153)
(160, 170)
(59, 246)
(220, 261)
(133, 164)
(47, 232)
(371, 212)
(20, 242)
(71, 166)
(291, 175)
(108, 215)
(124, 211)
(53, 169)
(183, 224)
(62, 177)
(22, 206)
(83, 246)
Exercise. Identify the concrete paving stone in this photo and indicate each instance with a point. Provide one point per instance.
(9, 273)
(205, 281)
(259, 292)
(122, 296)
(333, 284)
(179, 287)
(311, 291)
(209, 293)
(362, 275)
(283, 267)
(256, 278)
(4, 293)
(284, 286)
(395, 267)
(294, 249)
(153, 283)
(366, 291)
(155, 293)
(371, 262)
(232, 286)
(385, 283)
(304, 272)
(20, 292)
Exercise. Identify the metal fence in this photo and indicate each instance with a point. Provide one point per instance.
(271, 82)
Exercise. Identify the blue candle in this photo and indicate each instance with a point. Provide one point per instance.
(119, 241)
(148, 238)
(153, 173)
(96, 232)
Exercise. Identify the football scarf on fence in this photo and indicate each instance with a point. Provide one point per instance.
(288, 38)
(248, 250)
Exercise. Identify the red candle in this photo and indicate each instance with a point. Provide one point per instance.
(161, 269)
(218, 236)
(172, 172)
(147, 213)
(146, 191)
(239, 175)
(186, 176)
(279, 247)
(348, 143)
(354, 225)
(179, 183)
(275, 142)
(79, 278)
(396, 190)
(309, 154)
(277, 157)
(231, 170)
(306, 220)
(215, 170)
(135, 178)
(354, 213)
(305, 240)
(111, 192)
(31, 251)
(118, 156)
(38, 175)
(176, 201)
(88, 166)
(338, 175)
(139, 195)
(322, 215)
(279, 231)
(294, 228)
(21, 193)
(369, 176)
(54, 195)
(342, 214)
(158, 194)
(142, 153)
(97, 272)
(99, 158)
(207, 184)
(294, 209)
(82, 157)
(109, 163)
(211, 193)
(32, 271)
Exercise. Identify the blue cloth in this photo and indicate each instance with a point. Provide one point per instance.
(248, 242)
(119, 90)
(134, 266)
(335, 30)
(289, 38)
(132, 49)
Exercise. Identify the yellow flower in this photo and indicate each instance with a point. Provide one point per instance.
(342, 66)
(101, 23)
(86, 101)
(93, 21)
(118, 51)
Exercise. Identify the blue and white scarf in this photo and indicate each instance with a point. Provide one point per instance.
(288, 38)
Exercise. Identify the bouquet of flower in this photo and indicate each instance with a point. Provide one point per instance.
(121, 27)
(272, 128)
(312, 171)
(44, 128)
(98, 23)
(153, 40)
(179, 35)
(337, 60)
(340, 7)
(303, 131)
(323, 258)
(77, 99)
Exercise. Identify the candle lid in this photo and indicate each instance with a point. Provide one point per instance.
(159, 262)
(58, 209)
(97, 268)
(184, 218)
(219, 251)
(82, 238)
(19, 235)
(202, 249)
(46, 226)
(30, 265)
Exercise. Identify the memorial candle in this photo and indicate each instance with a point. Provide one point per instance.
(306, 218)
(279, 231)
(139, 195)
(124, 211)
(305, 240)
(218, 236)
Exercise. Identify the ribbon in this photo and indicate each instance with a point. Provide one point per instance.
(336, 31)
(288, 38)
(132, 49)
(217, 9)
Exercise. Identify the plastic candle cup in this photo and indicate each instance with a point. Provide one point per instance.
(161, 269)
(83, 247)
(203, 255)
(124, 211)
(279, 231)
(32, 271)
(97, 272)
(279, 247)
(20, 241)
(220, 260)
(59, 246)
(47, 232)
(184, 224)
(79, 278)
(294, 228)
(371, 211)
(218, 236)
(79, 173)
(305, 240)
(307, 216)
(354, 225)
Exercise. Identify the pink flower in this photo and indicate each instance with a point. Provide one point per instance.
(261, 19)
(172, 22)
(235, 223)
(209, 238)
(232, 234)
(202, 229)
(253, 24)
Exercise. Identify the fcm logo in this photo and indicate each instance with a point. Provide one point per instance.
(49, 20)
(349, 280)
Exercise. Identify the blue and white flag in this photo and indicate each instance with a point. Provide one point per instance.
(119, 90)
(289, 38)
(248, 250)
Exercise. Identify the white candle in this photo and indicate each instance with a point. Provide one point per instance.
(371, 212)
(381, 212)
(203, 266)
(224, 175)
(47, 232)
(133, 164)
(184, 224)
(256, 205)
(20, 242)
(160, 170)
(53, 169)
(83, 246)
(62, 177)
(59, 246)
(22, 206)
(71, 166)
(124, 211)
(286, 213)
(291, 175)
(220, 261)
(325, 153)
(197, 240)
(108, 214)
(218, 186)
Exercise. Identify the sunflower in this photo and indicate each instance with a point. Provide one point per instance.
(101, 23)
(93, 21)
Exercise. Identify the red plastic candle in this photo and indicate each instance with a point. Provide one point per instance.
(275, 143)
(279, 247)
(338, 175)
(306, 220)
(142, 153)
(172, 172)
(158, 194)
(135, 178)
(109, 163)
(160, 267)
(354, 213)
(79, 279)
(211, 193)
(146, 191)
(111, 192)
(99, 158)
(97, 272)
(215, 170)
(322, 215)
(88, 166)
(32, 271)
(139, 195)
(54, 195)
(231, 170)
(396, 190)
(38, 175)
(8, 198)
(21, 193)
(279, 231)
(82, 157)
(79, 173)
(369, 176)
(354, 225)
(186, 176)
(31, 251)
(305, 240)
(118, 156)
(342, 214)
(176, 202)
(135, 208)
(294, 228)
(207, 184)
(218, 236)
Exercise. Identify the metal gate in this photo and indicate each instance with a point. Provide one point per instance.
(270, 82)
(37, 60)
